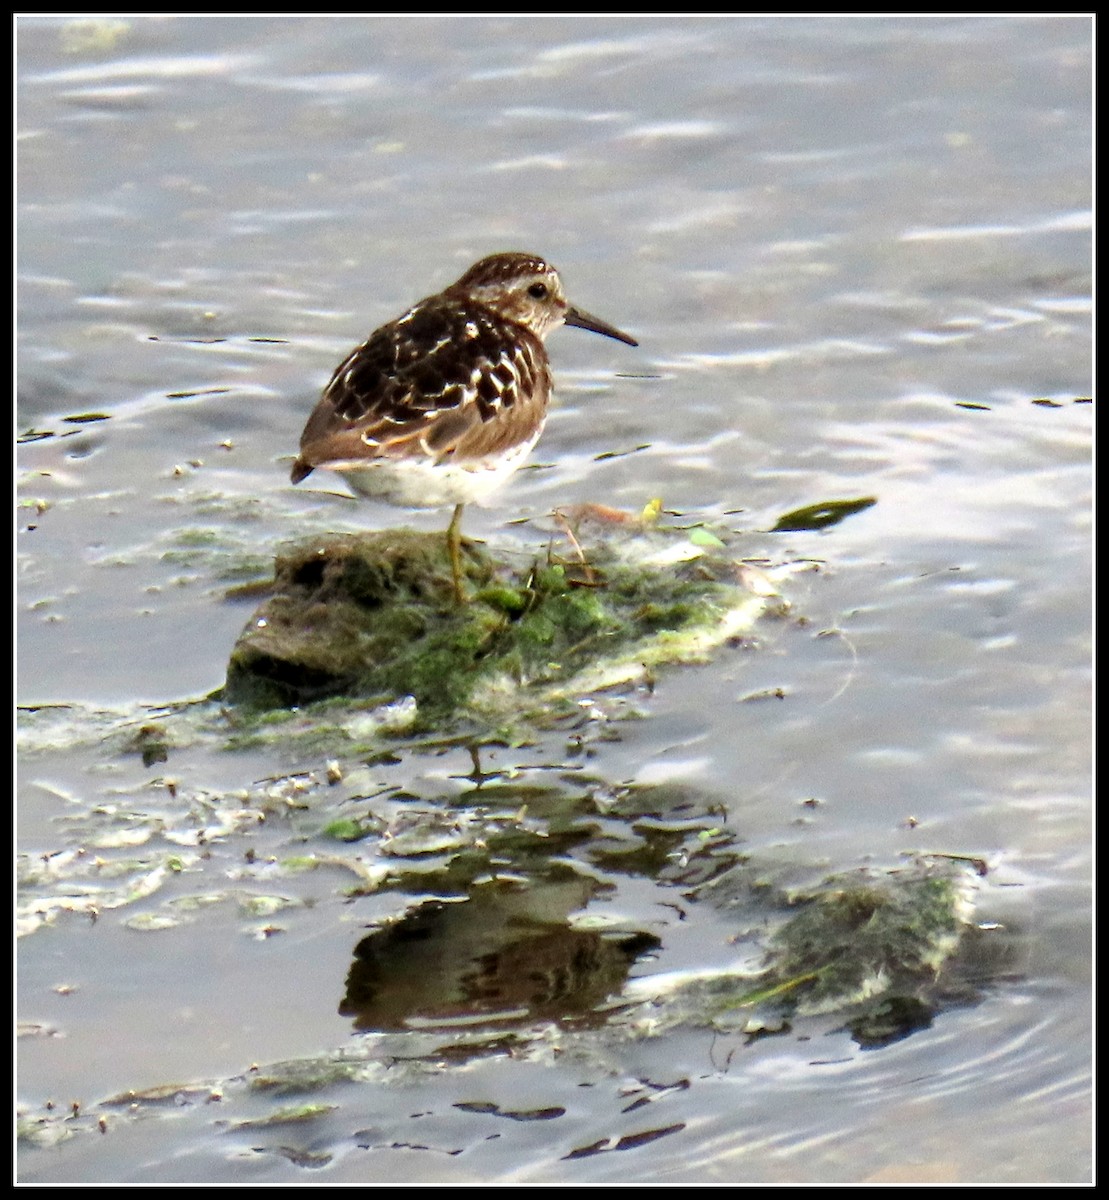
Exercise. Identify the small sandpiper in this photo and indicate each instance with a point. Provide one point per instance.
(441, 405)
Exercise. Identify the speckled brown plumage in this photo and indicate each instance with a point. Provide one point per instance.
(441, 405)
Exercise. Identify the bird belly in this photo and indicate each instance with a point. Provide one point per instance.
(432, 483)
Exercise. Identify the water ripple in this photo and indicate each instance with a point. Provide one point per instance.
(1079, 221)
(164, 67)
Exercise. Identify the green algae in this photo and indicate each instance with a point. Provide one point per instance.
(371, 618)
(293, 1114)
(823, 515)
(866, 940)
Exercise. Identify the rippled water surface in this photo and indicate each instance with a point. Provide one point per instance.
(856, 254)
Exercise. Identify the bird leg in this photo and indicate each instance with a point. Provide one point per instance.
(454, 548)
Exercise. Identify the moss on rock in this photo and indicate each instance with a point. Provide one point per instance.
(372, 616)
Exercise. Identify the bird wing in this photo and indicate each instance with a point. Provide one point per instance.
(444, 378)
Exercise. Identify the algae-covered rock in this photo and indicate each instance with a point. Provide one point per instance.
(862, 936)
(372, 616)
(873, 945)
(882, 952)
(345, 618)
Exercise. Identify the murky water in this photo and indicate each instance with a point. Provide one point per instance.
(857, 256)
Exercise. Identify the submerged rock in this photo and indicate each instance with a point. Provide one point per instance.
(869, 934)
(371, 616)
(881, 952)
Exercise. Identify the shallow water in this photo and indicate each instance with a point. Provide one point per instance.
(857, 256)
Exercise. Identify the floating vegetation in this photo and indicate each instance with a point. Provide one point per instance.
(294, 1114)
(485, 961)
(86, 884)
(371, 617)
(859, 937)
(821, 516)
(872, 945)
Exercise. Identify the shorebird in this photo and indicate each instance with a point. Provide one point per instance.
(442, 405)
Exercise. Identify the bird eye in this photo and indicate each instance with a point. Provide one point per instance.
(538, 291)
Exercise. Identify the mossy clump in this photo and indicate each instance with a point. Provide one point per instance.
(862, 937)
(872, 945)
(372, 616)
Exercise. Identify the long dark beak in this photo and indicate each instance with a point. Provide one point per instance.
(582, 320)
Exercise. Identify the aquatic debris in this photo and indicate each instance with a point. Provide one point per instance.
(151, 922)
(489, 1108)
(151, 744)
(630, 1141)
(252, 905)
(820, 516)
(870, 942)
(372, 617)
(881, 949)
(168, 1095)
(858, 934)
(295, 1114)
(140, 882)
(43, 1129)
